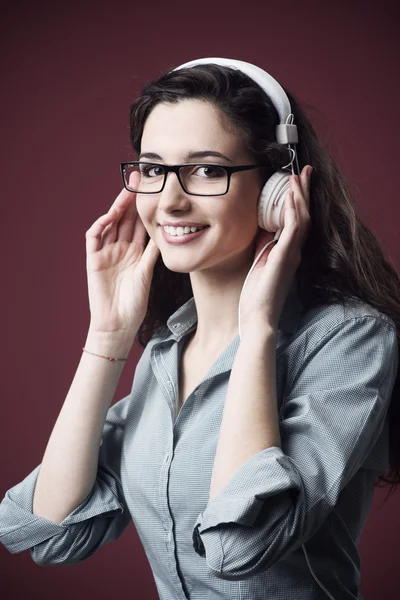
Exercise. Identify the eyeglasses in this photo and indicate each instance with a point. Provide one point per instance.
(209, 179)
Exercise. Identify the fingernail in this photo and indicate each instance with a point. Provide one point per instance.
(309, 171)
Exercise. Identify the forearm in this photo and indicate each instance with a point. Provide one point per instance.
(69, 465)
(250, 420)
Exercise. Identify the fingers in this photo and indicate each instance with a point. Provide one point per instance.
(149, 257)
(291, 216)
(296, 211)
(304, 182)
(139, 232)
(127, 221)
(104, 229)
(94, 233)
(128, 216)
(301, 189)
(124, 197)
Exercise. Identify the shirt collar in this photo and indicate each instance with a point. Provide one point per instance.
(183, 319)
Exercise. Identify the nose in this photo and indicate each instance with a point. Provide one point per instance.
(173, 195)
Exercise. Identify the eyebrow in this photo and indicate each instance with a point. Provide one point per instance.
(189, 155)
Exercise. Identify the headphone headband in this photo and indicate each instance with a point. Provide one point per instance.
(286, 131)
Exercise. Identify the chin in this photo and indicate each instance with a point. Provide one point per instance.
(177, 266)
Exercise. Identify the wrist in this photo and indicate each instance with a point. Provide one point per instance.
(109, 344)
(259, 335)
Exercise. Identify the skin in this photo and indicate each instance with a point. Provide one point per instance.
(219, 260)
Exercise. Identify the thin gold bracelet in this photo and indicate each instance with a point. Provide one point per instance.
(107, 357)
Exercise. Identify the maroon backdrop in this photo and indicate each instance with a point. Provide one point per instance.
(69, 75)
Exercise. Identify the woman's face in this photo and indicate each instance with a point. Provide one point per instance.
(173, 131)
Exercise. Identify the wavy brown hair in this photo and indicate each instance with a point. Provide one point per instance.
(341, 256)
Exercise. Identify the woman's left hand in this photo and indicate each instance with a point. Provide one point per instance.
(269, 283)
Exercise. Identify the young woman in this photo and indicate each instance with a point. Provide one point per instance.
(247, 451)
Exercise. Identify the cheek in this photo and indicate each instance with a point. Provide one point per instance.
(240, 232)
(144, 211)
(243, 217)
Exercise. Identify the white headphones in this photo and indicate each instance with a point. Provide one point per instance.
(271, 201)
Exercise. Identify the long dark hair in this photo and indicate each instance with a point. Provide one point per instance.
(341, 256)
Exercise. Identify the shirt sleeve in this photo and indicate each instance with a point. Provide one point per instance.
(331, 416)
(101, 518)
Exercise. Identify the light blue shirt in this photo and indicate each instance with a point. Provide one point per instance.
(336, 368)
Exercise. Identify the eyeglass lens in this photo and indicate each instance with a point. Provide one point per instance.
(197, 178)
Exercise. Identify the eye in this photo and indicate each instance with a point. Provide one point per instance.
(212, 171)
(147, 169)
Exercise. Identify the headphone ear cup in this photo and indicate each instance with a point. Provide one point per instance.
(271, 201)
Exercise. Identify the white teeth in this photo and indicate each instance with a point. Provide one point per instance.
(180, 230)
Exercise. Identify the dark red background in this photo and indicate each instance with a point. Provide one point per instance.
(69, 74)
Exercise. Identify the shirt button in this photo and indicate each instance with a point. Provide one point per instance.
(198, 542)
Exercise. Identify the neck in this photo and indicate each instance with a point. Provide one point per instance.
(216, 295)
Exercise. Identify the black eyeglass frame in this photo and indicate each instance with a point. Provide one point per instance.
(175, 169)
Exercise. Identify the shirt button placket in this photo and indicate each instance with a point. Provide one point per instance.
(167, 516)
(168, 525)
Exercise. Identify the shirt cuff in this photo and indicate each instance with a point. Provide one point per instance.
(267, 473)
(21, 529)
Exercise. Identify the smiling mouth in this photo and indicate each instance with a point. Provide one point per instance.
(183, 228)
(182, 238)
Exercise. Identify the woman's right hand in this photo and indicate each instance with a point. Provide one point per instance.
(119, 268)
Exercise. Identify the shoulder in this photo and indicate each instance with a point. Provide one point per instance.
(350, 314)
(333, 335)
(350, 346)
